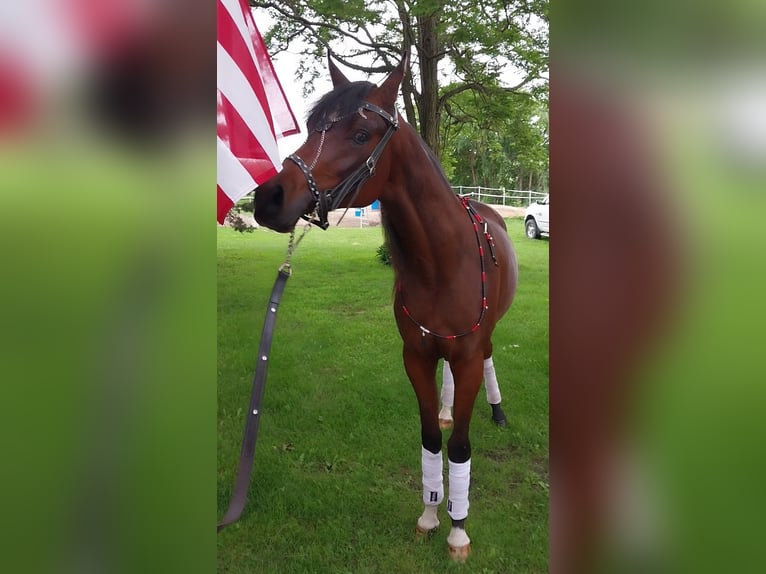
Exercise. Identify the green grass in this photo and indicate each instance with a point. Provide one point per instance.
(336, 483)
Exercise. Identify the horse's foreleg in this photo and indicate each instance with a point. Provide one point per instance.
(422, 374)
(468, 376)
(433, 490)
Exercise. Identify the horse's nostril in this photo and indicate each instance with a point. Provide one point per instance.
(269, 200)
(278, 199)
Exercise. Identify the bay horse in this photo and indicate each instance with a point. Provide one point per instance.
(455, 269)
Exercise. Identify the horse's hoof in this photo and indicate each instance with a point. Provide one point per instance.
(427, 522)
(445, 424)
(501, 422)
(459, 553)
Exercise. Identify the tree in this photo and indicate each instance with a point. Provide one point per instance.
(496, 139)
(476, 43)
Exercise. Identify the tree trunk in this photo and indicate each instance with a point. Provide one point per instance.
(429, 49)
(407, 85)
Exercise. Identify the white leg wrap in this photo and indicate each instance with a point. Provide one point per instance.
(448, 386)
(459, 482)
(490, 382)
(433, 479)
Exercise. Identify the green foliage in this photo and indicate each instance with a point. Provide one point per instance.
(476, 43)
(497, 139)
(336, 481)
(383, 255)
(238, 223)
(246, 203)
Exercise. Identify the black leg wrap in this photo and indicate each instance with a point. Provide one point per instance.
(498, 416)
(458, 523)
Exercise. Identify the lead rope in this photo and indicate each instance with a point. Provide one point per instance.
(292, 245)
(250, 434)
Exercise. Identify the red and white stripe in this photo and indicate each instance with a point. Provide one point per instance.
(252, 109)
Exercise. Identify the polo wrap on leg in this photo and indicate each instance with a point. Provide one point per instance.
(433, 479)
(459, 482)
(448, 386)
(490, 382)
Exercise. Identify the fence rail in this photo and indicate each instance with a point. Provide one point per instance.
(499, 195)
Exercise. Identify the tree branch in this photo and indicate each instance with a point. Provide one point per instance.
(448, 94)
(312, 26)
(515, 89)
(369, 69)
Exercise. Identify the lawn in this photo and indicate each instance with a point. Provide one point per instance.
(336, 483)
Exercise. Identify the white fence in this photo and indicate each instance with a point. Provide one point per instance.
(500, 195)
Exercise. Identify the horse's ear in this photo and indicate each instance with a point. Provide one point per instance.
(338, 79)
(390, 86)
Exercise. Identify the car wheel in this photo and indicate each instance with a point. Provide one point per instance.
(532, 230)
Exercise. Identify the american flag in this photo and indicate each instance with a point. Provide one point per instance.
(252, 109)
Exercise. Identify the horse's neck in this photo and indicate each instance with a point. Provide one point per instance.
(424, 222)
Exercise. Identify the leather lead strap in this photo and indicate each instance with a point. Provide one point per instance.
(250, 435)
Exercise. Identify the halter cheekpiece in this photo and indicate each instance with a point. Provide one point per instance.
(328, 200)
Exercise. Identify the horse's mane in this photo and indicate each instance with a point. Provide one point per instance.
(334, 105)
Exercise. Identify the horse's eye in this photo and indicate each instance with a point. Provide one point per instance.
(361, 136)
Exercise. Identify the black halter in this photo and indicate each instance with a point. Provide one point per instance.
(327, 201)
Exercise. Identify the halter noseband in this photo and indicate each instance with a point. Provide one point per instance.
(327, 201)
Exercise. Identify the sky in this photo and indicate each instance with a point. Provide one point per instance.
(285, 65)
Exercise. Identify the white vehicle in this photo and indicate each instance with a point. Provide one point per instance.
(536, 221)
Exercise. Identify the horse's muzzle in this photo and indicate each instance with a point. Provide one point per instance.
(269, 208)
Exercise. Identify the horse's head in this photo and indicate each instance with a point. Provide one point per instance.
(348, 131)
